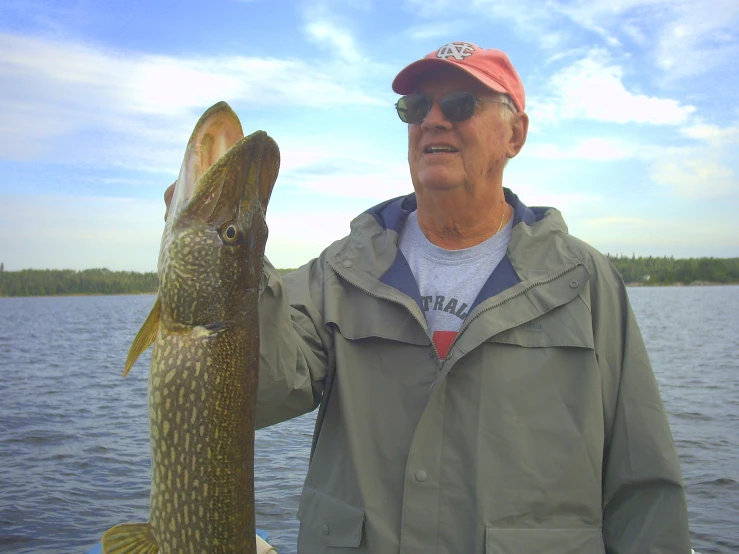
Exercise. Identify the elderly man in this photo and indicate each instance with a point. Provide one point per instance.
(482, 382)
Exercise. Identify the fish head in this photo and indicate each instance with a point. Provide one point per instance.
(215, 233)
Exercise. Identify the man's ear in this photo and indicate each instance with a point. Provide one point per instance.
(520, 128)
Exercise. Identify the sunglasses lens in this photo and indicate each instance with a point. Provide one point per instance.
(413, 108)
(458, 106)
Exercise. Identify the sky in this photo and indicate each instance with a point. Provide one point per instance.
(633, 107)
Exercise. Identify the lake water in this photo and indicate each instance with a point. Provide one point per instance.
(74, 446)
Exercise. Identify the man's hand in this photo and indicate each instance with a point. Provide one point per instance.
(168, 198)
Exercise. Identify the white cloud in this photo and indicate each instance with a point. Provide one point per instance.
(714, 135)
(687, 37)
(695, 176)
(532, 21)
(683, 37)
(67, 232)
(155, 84)
(441, 30)
(125, 233)
(610, 222)
(52, 17)
(144, 105)
(591, 148)
(536, 186)
(658, 236)
(334, 27)
(339, 172)
(288, 249)
(600, 15)
(701, 37)
(705, 168)
(593, 88)
(376, 183)
(337, 40)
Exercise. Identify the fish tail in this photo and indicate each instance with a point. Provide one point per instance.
(130, 538)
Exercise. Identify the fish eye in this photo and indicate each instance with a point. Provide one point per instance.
(230, 233)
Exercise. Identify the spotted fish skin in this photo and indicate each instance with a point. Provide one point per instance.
(202, 428)
(204, 327)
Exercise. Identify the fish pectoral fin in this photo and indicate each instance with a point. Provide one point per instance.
(208, 331)
(130, 538)
(145, 337)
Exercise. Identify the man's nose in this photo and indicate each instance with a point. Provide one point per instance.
(435, 118)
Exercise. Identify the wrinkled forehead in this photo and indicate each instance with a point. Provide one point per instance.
(445, 79)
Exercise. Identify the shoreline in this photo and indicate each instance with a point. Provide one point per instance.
(680, 284)
(632, 284)
(81, 294)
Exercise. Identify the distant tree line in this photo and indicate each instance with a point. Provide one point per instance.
(57, 282)
(670, 271)
(49, 282)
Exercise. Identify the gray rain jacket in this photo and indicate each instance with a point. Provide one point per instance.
(542, 431)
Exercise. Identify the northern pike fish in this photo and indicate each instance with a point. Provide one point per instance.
(205, 331)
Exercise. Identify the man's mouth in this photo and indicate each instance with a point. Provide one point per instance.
(439, 150)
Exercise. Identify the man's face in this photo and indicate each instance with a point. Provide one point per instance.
(475, 150)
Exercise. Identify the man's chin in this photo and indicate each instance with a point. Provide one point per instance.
(439, 185)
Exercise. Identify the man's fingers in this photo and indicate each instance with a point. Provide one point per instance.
(168, 198)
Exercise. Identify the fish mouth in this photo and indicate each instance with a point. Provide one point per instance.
(240, 180)
(222, 169)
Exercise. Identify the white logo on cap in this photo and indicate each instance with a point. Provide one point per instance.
(456, 50)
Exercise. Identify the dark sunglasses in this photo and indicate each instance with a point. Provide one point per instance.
(456, 106)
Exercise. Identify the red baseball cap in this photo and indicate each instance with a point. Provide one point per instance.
(491, 67)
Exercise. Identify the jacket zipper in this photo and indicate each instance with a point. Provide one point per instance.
(423, 324)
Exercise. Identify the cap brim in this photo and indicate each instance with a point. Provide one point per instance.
(405, 81)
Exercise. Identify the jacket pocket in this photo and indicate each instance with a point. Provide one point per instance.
(543, 541)
(359, 315)
(570, 325)
(327, 522)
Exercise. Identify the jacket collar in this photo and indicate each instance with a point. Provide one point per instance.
(371, 249)
(392, 214)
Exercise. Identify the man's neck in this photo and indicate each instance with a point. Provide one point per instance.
(454, 221)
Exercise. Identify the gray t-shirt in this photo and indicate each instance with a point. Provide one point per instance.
(449, 280)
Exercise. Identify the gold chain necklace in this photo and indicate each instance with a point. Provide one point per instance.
(505, 211)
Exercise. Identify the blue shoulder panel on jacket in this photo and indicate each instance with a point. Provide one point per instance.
(393, 213)
(502, 278)
(400, 276)
(521, 212)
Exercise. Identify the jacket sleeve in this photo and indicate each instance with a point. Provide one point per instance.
(294, 344)
(644, 504)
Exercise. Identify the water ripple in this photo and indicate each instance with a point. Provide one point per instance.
(74, 446)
